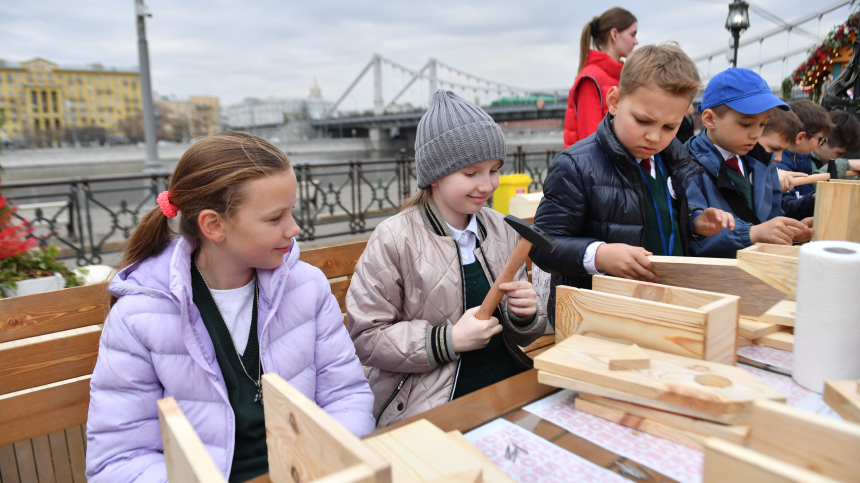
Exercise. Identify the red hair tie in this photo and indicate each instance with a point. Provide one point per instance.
(168, 208)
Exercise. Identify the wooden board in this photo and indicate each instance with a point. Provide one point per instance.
(702, 385)
(720, 275)
(306, 442)
(753, 329)
(492, 472)
(782, 313)
(727, 462)
(782, 340)
(420, 452)
(844, 398)
(44, 411)
(336, 261)
(49, 312)
(184, 454)
(736, 433)
(837, 209)
(775, 265)
(817, 443)
(708, 331)
(633, 357)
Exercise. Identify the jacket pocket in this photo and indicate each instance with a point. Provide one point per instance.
(392, 396)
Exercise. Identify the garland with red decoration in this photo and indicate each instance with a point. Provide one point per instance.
(809, 74)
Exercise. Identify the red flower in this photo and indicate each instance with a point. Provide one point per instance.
(14, 237)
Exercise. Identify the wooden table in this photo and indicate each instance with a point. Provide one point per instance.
(505, 400)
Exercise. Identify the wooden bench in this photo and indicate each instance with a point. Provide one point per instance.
(48, 349)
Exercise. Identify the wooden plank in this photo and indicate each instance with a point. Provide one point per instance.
(777, 270)
(718, 275)
(542, 341)
(49, 312)
(645, 425)
(75, 438)
(184, 454)
(844, 398)
(60, 457)
(8, 465)
(782, 340)
(582, 387)
(655, 292)
(653, 325)
(737, 433)
(742, 341)
(53, 360)
(753, 329)
(338, 289)
(725, 461)
(808, 440)
(44, 411)
(26, 463)
(492, 472)
(703, 385)
(420, 452)
(42, 455)
(306, 441)
(336, 261)
(782, 313)
(360, 473)
(630, 358)
(721, 331)
(837, 209)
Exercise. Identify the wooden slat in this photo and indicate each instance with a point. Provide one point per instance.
(542, 341)
(338, 289)
(184, 454)
(777, 270)
(8, 465)
(54, 360)
(49, 312)
(60, 456)
(42, 455)
(782, 340)
(76, 438)
(26, 463)
(336, 261)
(43, 411)
(727, 462)
(844, 398)
(837, 208)
(753, 329)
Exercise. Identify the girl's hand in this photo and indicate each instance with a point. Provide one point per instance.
(624, 261)
(471, 334)
(522, 298)
(712, 221)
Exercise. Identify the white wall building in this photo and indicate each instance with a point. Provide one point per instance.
(254, 112)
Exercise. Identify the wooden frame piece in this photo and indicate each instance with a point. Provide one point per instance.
(184, 454)
(753, 329)
(705, 386)
(681, 321)
(632, 357)
(775, 265)
(725, 461)
(306, 442)
(783, 340)
(844, 398)
(51, 312)
(837, 209)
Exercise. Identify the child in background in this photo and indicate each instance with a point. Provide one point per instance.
(202, 316)
(778, 135)
(843, 139)
(740, 176)
(411, 304)
(619, 195)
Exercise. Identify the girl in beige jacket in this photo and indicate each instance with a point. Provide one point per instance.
(423, 268)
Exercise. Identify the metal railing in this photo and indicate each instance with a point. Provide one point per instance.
(93, 215)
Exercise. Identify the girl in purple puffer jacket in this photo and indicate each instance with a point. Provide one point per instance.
(202, 316)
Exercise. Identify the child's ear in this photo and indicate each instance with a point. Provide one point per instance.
(211, 226)
(800, 137)
(612, 98)
(709, 119)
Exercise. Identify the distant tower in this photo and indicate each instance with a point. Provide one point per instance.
(316, 92)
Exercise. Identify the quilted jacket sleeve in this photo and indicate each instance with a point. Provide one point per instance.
(123, 435)
(702, 194)
(374, 308)
(561, 214)
(341, 388)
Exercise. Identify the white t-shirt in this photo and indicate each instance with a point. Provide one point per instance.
(236, 306)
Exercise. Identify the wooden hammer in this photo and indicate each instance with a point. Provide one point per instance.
(531, 235)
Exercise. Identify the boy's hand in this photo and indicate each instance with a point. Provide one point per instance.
(712, 221)
(805, 237)
(779, 231)
(471, 334)
(522, 298)
(625, 261)
(786, 178)
(854, 164)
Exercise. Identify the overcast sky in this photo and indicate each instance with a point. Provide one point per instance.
(235, 49)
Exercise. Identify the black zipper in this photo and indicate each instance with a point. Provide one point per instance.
(392, 396)
(463, 291)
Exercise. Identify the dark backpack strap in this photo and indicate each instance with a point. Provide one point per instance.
(831, 168)
(735, 199)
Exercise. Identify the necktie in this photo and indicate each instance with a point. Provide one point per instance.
(733, 163)
(646, 165)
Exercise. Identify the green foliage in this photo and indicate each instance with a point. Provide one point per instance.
(787, 86)
(35, 263)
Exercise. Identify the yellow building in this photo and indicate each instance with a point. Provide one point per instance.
(180, 120)
(45, 104)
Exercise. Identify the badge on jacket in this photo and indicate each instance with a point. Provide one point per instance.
(671, 188)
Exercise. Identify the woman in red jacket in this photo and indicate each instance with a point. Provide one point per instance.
(613, 35)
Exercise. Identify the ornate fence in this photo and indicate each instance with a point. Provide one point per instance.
(90, 216)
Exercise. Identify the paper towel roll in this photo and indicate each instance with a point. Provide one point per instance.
(827, 323)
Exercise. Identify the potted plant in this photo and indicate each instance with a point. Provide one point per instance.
(25, 268)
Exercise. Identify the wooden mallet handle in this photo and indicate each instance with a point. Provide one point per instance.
(800, 181)
(494, 296)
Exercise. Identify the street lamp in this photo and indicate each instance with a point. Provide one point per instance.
(737, 21)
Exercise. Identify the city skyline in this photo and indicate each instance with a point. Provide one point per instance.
(233, 51)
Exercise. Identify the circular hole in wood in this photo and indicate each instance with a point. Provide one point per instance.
(293, 423)
(295, 474)
(713, 380)
(699, 368)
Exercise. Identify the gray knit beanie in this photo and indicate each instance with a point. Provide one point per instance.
(454, 134)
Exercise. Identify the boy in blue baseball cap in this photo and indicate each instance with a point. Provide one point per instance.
(740, 176)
